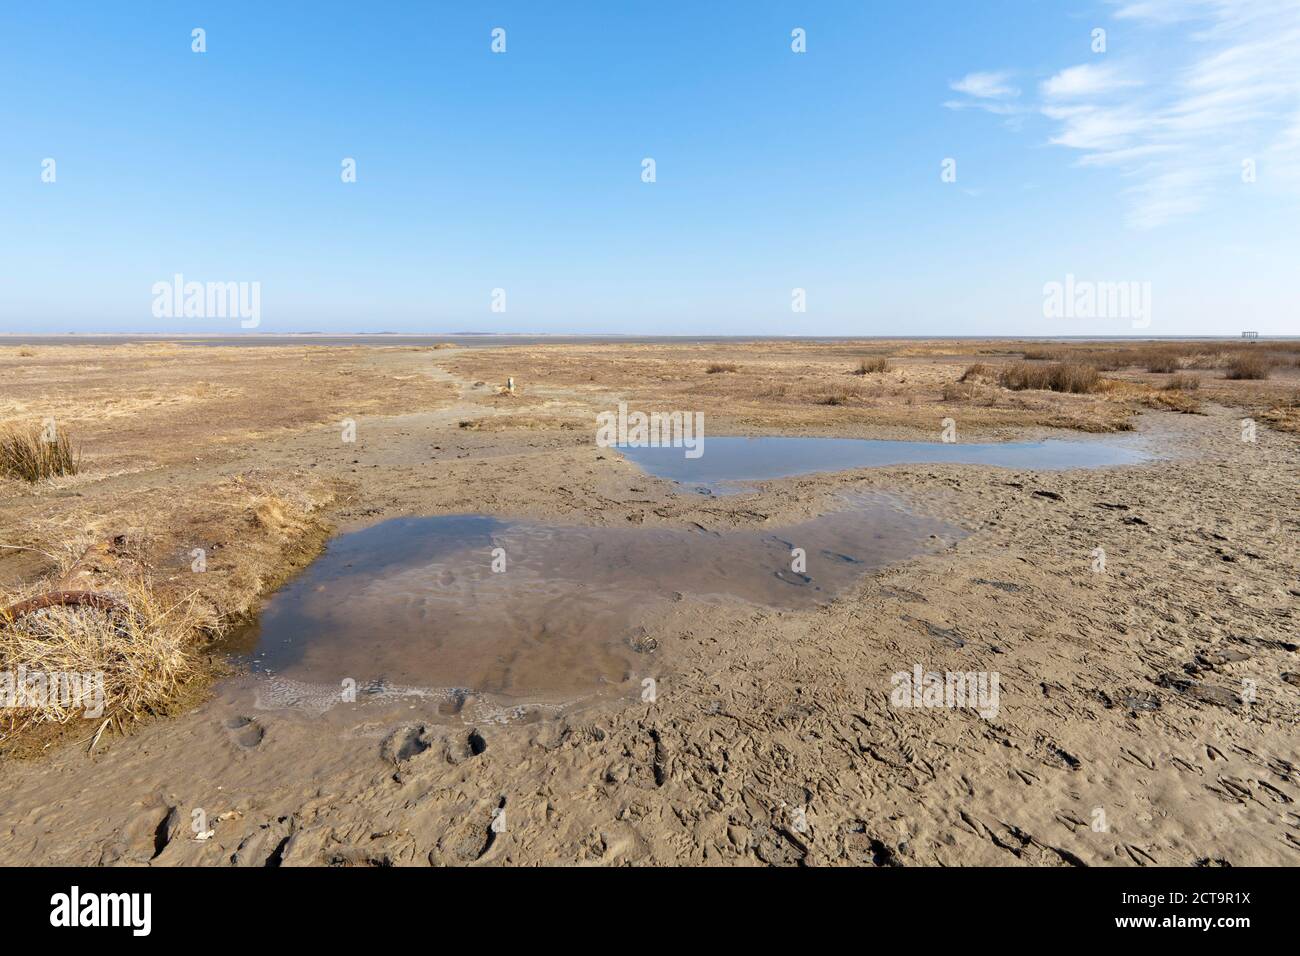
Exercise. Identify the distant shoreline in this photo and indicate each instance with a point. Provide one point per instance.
(471, 339)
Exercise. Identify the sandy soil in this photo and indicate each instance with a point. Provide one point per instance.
(1122, 735)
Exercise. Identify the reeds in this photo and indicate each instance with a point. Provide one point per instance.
(1057, 377)
(33, 453)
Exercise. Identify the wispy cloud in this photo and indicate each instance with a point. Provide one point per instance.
(1218, 85)
(992, 92)
(1088, 79)
(986, 85)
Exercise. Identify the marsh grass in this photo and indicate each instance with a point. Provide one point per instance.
(26, 454)
(1071, 377)
(1186, 383)
(1169, 357)
(978, 372)
(1162, 362)
(717, 367)
(1248, 367)
(143, 652)
(872, 365)
(839, 396)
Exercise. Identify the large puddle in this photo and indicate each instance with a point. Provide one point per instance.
(416, 603)
(729, 458)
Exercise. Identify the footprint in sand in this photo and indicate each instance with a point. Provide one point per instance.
(245, 732)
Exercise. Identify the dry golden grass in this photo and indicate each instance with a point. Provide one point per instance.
(1072, 377)
(141, 654)
(1172, 399)
(1284, 414)
(839, 397)
(1033, 354)
(1162, 362)
(717, 367)
(1165, 357)
(979, 372)
(1248, 367)
(137, 546)
(957, 392)
(30, 454)
(141, 406)
(1186, 383)
(870, 366)
(783, 384)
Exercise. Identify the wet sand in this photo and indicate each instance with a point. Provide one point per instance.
(522, 613)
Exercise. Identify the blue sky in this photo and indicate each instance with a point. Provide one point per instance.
(775, 170)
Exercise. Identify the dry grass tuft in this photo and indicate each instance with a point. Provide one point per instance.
(957, 392)
(978, 372)
(1248, 367)
(1162, 362)
(141, 656)
(1186, 383)
(717, 367)
(841, 396)
(1057, 377)
(1284, 415)
(25, 453)
(1172, 399)
(873, 365)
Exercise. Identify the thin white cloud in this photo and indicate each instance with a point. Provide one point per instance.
(1087, 79)
(991, 92)
(1160, 11)
(1093, 128)
(986, 85)
(1203, 86)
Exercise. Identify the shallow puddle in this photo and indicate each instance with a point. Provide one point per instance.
(729, 458)
(415, 602)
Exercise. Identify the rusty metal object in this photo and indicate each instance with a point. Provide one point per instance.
(61, 599)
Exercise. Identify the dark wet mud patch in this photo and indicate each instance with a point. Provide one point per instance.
(732, 459)
(474, 605)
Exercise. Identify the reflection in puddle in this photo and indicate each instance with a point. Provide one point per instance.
(415, 603)
(730, 458)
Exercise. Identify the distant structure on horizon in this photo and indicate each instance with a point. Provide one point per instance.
(1250, 336)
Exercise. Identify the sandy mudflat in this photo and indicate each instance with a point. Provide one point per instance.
(1121, 736)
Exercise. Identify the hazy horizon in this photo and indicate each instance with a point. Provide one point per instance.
(650, 336)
